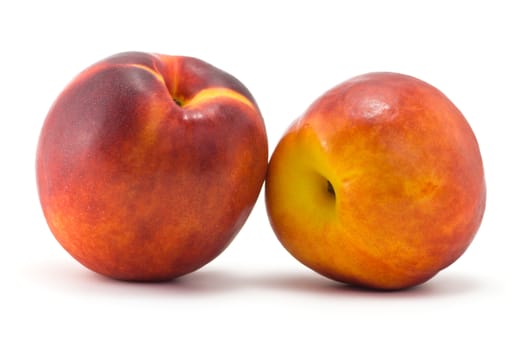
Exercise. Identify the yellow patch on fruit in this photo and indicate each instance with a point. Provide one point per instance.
(213, 93)
(308, 182)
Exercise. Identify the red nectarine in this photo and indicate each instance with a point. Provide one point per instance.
(148, 165)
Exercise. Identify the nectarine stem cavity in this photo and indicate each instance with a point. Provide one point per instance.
(330, 188)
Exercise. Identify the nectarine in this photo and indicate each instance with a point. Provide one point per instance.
(380, 183)
(148, 165)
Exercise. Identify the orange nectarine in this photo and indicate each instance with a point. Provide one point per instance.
(380, 183)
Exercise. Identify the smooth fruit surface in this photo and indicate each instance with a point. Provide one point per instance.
(380, 183)
(148, 165)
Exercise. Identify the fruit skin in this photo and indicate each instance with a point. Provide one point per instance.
(136, 187)
(379, 184)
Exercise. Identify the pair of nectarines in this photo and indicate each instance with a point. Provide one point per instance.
(148, 165)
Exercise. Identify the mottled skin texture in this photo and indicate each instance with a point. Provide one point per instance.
(407, 177)
(149, 165)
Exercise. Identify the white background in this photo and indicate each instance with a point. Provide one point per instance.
(255, 295)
